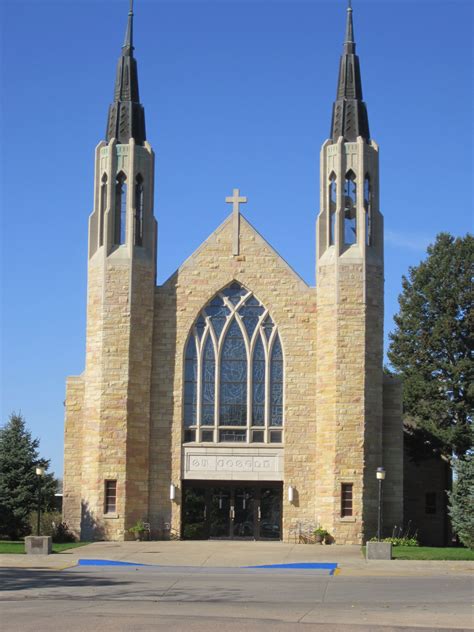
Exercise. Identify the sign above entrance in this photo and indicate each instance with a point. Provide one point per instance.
(232, 464)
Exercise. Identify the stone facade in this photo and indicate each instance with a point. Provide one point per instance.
(124, 436)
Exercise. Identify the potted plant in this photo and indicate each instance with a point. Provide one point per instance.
(138, 530)
(320, 535)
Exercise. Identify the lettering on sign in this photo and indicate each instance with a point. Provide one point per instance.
(213, 463)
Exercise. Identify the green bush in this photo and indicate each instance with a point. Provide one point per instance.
(399, 541)
(461, 500)
(51, 523)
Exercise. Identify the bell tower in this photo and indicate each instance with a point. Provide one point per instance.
(350, 313)
(111, 484)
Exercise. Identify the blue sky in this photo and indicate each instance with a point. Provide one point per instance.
(236, 94)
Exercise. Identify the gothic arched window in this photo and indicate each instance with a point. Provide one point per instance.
(139, 195)
(368, 210)
(120, 208)
(332, 200)
(238, 396)
(103, 206)
(350, 209)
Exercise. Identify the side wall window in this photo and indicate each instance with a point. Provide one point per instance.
(332, 202)
(110, 504)
(346, 500)
(350, 209)
(120, 208)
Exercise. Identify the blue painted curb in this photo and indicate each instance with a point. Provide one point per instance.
(107, 563)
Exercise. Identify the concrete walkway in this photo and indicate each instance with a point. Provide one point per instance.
(235, 554)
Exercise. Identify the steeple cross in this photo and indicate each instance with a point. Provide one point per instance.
(236, 200)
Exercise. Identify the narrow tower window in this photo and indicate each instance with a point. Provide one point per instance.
(103, 206)
(346, 500)
(350, 209)
(120, 208)
(332, 208)
(368, 210)
(139, 211)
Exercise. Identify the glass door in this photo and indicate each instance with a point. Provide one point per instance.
(219, 512)
(270, 513)
(244, 512)
(194, 514)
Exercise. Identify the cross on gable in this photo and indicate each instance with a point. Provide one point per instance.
(236, 200)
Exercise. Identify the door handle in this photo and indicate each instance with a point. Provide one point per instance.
(205, 512)
(232, 513)
(259, 514)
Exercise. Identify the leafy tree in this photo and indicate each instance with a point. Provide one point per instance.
(431, 347)
(18, 479)
(461, 500)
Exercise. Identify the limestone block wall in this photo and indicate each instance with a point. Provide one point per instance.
(392, 454)
(73, 434)
(292, 306)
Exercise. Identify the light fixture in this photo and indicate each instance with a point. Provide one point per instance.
(380, 477)
(172, 492)
(40, 470)
(291, 494)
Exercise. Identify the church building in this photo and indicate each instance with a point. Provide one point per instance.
(234, 400)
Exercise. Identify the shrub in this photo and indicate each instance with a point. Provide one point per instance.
(51, 523)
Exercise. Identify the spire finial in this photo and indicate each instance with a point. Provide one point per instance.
(128, 41)
(349, 25)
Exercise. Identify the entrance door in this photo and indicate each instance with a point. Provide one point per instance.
(219, 512)
(228, 510)
(244, 513)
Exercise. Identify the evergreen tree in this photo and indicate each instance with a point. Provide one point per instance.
(461, 501)
(431, 347)
(19, 458)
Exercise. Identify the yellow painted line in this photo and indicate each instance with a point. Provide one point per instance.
(337, 571)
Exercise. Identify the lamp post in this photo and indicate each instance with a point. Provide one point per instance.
(39, 474)
(380, 478)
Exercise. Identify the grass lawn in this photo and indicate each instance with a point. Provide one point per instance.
(7, 546)
(431, 553)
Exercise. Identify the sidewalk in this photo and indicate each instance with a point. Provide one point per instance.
(236, 554)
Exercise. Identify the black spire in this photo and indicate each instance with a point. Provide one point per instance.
(126, 114)
(349, 113)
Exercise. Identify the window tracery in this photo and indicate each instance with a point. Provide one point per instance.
(233, 372)
(368, 210)
(139, 197)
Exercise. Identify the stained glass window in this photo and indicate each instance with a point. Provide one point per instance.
(233, 369)
(276, 385)
(258, 385)
(208, 384)
(190, 384)
(220, 344)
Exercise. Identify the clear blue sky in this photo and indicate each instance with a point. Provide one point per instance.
(236, 94)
